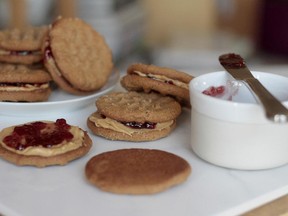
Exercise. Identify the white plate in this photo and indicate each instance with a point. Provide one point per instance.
(59, 101)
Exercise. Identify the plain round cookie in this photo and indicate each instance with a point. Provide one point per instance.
(136, 137)
(138, 106)
(136, 171)
(42, 161)
(81, 54)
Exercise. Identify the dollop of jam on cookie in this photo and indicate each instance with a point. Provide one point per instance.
(39, 134)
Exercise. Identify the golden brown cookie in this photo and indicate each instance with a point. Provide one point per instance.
(136, 171)
(22, 45)
(29, 83)
(77, 56)
(43, 143)
(166, 81)
(134, 116)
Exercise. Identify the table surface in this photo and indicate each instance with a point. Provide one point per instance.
(276, 207)
(64, 190)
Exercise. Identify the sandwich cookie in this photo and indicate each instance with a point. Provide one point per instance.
(77, 56)
(136, 171)
(43, 143)
(166, 81)
(134, 116)
(24, 83)
(22, 46)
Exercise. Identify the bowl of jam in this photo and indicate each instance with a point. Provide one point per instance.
(229, 127)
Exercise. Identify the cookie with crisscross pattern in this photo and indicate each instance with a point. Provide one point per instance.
(134, 116)
(77, 56)
(22, 46)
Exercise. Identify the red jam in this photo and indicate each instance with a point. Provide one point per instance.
(48, 52)
(214, 91)
(138, 125)
(103, 116)
(233, 61)
(39, 134)
(169, 82)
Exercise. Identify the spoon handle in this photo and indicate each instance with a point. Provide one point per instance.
(274, 109)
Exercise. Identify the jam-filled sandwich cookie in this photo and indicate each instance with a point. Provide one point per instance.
(136, 171)
(22, 45)
(43, 143)
(77, 56)
(134, 116)
(166, 81)
(24, 83)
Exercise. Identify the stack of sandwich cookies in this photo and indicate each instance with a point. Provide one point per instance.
(136, 171)
(166, 81)
(24, 83)
(43, 143)
(77, 56)
(22, 46)
(134, 116)
(23, 77)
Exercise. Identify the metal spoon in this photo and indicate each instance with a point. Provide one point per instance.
(235, 65)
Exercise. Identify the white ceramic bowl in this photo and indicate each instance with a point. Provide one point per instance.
(235, 133)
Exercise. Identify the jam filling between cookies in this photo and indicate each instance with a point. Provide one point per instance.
(164, 79)
(50, 59)
(42, 138)
(128, 127)
(136, 125)
(19, 52)
(23, 86)
(48, 52)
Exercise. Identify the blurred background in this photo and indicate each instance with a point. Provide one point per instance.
(185, 35)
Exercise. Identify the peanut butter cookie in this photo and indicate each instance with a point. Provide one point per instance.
(43, 143)
(134, 116)
(22, 45)
(166, 81)
(77, 56)
(24, 83)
